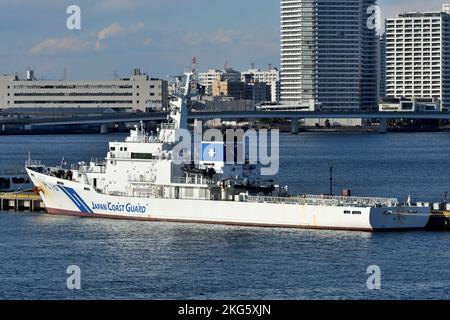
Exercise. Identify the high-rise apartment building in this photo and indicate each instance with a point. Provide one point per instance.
(328, 54)
(418, 56)
(382, 66)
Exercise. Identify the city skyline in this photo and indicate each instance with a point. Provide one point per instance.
(158, 36)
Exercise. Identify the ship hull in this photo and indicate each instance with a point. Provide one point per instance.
(62, 197)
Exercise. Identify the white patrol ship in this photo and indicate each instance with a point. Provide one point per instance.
(140, 180)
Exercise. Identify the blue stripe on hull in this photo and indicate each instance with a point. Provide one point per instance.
(76, 199)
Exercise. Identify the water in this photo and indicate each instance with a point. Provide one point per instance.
(140, 260)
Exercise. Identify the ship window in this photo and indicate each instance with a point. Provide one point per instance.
(87, 189)
(347, 212)
(113, 149)
(125, 149)
(357, 212)
(144, 156)
(60, 183)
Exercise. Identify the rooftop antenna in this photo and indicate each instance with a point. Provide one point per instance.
(225, 66)
(64, 77)
(252, 65)
(194, 64)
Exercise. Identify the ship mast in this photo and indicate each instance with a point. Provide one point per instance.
(179, 108)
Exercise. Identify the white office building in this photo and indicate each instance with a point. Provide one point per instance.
(137, 93)
(328, 54)
(257, 75)
(418, 56)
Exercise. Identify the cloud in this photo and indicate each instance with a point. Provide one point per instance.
(148, 41)
(218, 37)
(93, 41)
(192, 39)
(111, 31)
(117, 5)
(60, 45)
(136, 27)
(221, 36)
(116, 30)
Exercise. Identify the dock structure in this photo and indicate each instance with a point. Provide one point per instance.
(21, 202)
(439, 220)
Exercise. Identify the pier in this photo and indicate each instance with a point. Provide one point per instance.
(21, 202)
(439, 220)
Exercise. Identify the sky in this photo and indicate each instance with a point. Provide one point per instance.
(158, 36)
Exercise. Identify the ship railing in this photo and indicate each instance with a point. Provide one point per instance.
(167, 126)
(33, 163)
(275, 200)
(326, 201)
(191, 180)
(86, 169)
(140, 181)
(355, 201)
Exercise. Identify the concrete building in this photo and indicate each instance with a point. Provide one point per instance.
(207, 79)
(139, 92)
(418, 56)
(258, 91)
(271, 77)
(328, 54)
(257, 75)
(381, 66)
(229, 89)
(407, 105)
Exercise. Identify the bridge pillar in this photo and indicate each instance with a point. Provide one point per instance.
(295, 126)
(383, 126)
(104, 128)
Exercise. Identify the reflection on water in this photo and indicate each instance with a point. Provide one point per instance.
(127, 259)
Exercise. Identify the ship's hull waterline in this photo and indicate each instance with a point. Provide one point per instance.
(62, 197)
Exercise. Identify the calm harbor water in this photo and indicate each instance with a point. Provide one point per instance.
(139, 260)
